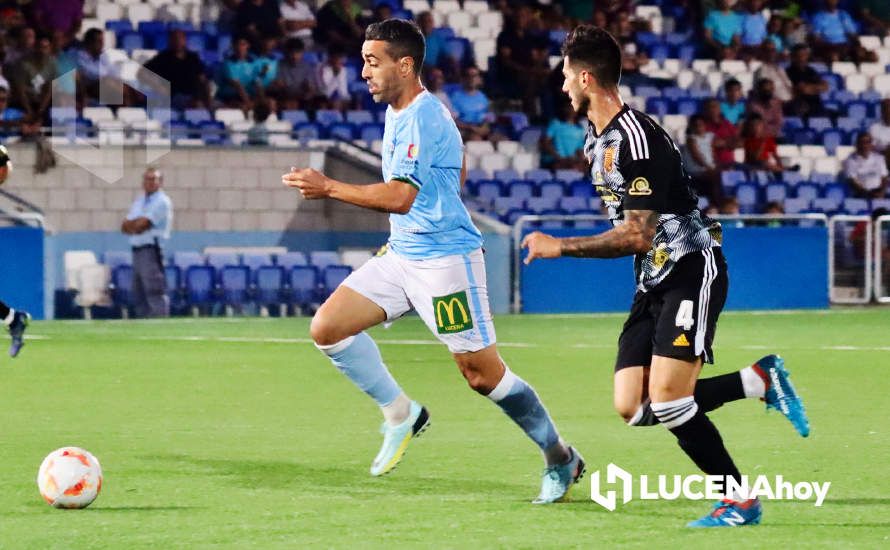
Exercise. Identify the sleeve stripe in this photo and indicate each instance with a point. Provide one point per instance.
(409, 180)
(636, 121)
(630, 139)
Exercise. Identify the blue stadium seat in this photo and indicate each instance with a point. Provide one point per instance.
(456, 49)
(807, 191)
(179, 129)
(645, 91)
(539, 205)
(514, 214)
(195, 41)
(196, 116)
(342, 130)
(114, 258)
(731, 179)
(522, 189)
(332, 276)
(856, 206)
(371, 132)
(820, 124)
(235, 284)
(489, 190)
(164, 114)
(826, 205)
(657, 106)
(747, 194)
(219, 260)
(323, 258)
(213, 132)
(574, 204)
(255, 260)
(791, 123)
(831, 139)
(209, 27)
(823, 179)
(174, 291)
(804, 137)
(269, 285)
(792, 178)
(290, 259)
(184, 260)
(687, 107)
(880, 203)
(307, 130)
(518, 121)
(295, 117)
(796, 205)
(590, 224)
(326, 117)
(581, 188)
(505, 204)
(674, 93)
(129, 41)
(568, 175)
(477, 174)
(551, 189)
(835, 191)
(507, 174)
(303, 285)
(538, 175)
(118, 26)
(775, 192)
(199, 285)
(857, 110)
(122, 286)
(224, 45)
(530, 137)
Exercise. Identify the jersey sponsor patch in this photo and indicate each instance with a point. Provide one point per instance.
(681, 341)
(640, 187)
(452, 313)
(412, 151)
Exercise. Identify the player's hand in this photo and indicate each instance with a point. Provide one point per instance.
(541, 245)
(311, 183)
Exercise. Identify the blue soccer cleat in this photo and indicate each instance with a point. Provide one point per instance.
(782, 396)
(730, 513)
(17, 328)
(396, 439)
(559, 479)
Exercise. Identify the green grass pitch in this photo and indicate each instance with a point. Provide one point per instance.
(238, 433)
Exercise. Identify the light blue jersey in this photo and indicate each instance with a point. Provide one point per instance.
(422, 147)
(158, 208)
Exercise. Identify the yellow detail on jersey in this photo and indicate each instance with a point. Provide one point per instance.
(661, 256)
(640, 187)
(608, 159)
(606, 194)
(681, 341)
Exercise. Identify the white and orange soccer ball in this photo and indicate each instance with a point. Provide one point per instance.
(70, 477)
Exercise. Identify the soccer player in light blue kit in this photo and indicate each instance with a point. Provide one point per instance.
(434, 265)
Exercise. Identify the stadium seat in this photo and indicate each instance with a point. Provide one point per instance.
(303, 286)
(122, 287)
(530, 137)
(323, 258)
(269, 285)
(370, 132)
(218, 260)
(509, 148)
(326, 117)
(199, 285)
(522, 189)
(796, 205)
(114, 258)
(826, 205)
(307, 131)
(228, 116)
(254, 261)
(551, 189)
(342, 130)
(856, 206)
(356, 258)
(196, 116)
(539, 205)
(505, 204)
(537, 175)
(568, 175)
(235, 284)
(819, 123)
(807, 191)
(489, 190)
(289, 259)
(574, 204)
(835, 191)
(174, 291)
(747, 195)
(581, 188)
(775, 192)
(295, 117)
(506, 174)
(332, 276)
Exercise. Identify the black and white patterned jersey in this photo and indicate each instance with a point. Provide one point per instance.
(635, 165)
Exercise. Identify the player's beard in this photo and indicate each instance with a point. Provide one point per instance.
(583, 107)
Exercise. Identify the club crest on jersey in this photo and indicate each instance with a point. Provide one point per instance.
(412, 151)
(609, 158)
(640, 187)
(661, 256)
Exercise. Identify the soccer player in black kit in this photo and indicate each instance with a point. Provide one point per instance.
(680, 271)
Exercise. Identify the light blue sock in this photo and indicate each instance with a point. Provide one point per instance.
(520, 402)
(358, 357)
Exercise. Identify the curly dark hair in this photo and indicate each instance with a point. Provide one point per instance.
(403, 39)
(595, 50)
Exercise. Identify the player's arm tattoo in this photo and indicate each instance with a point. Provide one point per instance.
(634, 236)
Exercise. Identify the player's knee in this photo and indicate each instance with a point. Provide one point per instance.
(323, 331)
(626, 410)
(667, 391)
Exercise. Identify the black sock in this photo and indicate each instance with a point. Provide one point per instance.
(712, 393)
(700, 440)
(4, 311)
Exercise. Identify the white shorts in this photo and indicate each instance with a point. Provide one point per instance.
(448, 293)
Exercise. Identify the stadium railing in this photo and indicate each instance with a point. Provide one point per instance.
(849, 275)
(882, 259)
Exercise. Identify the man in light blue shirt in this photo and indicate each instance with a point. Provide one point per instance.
(723, 27)
(148, 224)
(832, 25)
(753, 24)
(471, 105)
(433, 265)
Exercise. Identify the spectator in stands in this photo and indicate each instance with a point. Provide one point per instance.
(760, 149)
(764, 103)
(148, 224)
(435, 82)
(514, 53)
(333, 80)
(834, 32)
(794, 32)
(298, 20)
(435, 42)
(754, 31)
(267, 66)
(51, 15)
(473, 116)
(20, 42)
(880, 131)
(381, 12)
(730, 207)
(581, 10)
(723, 30)
(875, 16)
(772, 71)
(183, 69)
(339, 23)
(12, 121)
(258, 19)
(95, 71)
(808, 85)
(258, 134)
(726, 135)
(32, 78)
(66, 65)
(774, 208)
(563, 141)
(296, 85)
(733, 107)
(238, 77)
(699, 160)
(865, 170)
(774, 34)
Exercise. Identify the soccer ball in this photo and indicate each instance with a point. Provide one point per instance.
(69, 477)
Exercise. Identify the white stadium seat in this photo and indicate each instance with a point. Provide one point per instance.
(856, 83)
(479, 148)
(788, 151)
(106, 11)
(93, 281)
(870, 42)
(844, 151)
(492, 20)
(229, 116)
(132, 115)
(812, 151)
(459, 21)
(140, 12)
(872, 69)
(483, 49)
(446, 6)
(881, 84)
(142, 56)
(98, 114)
(73, 260)
(523, 162)
(734, 67)
(508, 147)
(704, 66)
(475, 6)
(844, 68)
(494, 161)
(417, 6)
(826, 165)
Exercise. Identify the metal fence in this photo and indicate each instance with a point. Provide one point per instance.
(882, 259)
(850, 259)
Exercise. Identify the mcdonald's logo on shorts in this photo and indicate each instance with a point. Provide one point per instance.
(452, 313)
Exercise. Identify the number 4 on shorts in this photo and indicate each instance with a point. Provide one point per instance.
(684, 315)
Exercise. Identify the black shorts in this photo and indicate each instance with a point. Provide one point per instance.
(677, 318)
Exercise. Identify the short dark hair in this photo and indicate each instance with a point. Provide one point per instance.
(730, 83)
(92, 35)
(597, 51)
(294, 45)
(403, 39)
